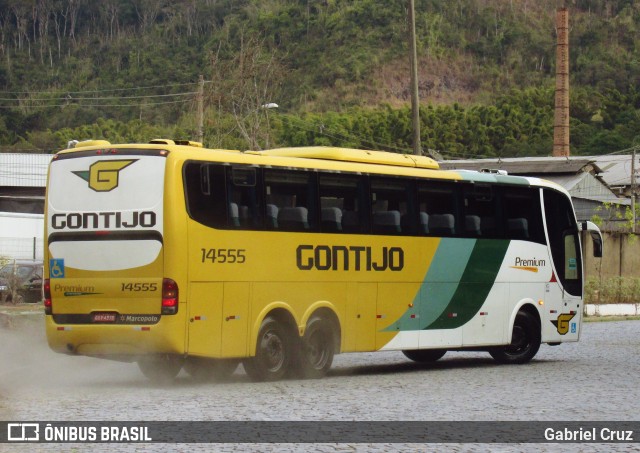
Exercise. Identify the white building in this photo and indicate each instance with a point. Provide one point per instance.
(23, 178)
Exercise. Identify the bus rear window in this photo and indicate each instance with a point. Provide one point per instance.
(206, 193)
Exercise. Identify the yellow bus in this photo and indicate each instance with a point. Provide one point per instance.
(175, 256)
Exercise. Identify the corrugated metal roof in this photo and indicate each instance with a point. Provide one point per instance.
(566, 181)
(24, 170)
(588, 187)
(616, 170)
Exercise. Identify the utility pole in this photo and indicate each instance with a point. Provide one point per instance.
(633, 191)
(200, 111)
(415, 102)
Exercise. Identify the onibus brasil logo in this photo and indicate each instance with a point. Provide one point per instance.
(103, 175)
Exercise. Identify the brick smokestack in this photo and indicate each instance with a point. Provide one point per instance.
(561, 116)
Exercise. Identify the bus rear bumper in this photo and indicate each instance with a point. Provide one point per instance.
(118, 342)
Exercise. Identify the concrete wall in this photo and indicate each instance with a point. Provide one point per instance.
(612, 309)
(21, 235)
(621, 257)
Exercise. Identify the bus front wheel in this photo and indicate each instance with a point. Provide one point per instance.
(161, 368)
(424, 355)
(274, 350)
(525, 341)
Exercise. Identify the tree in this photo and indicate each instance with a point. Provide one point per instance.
(247, 85)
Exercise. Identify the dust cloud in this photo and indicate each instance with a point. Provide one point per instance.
(27, 364)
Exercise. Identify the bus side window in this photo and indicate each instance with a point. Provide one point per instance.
(393, 206)
(437, 209)
(341, 203)
(206, 194)
(291, 200)
(480, 210)
(522, 215)
(242, 185)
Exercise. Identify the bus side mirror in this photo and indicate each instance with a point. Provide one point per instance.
(596, 237)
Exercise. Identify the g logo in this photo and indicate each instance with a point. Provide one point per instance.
(562, 323)
(103, 175)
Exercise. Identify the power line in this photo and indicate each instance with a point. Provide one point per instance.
(145, 104)
(71, 98)
(105, 90)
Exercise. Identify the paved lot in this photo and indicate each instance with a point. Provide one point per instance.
(595, 379)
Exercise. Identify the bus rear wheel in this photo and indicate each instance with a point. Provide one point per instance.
(203, 369)
(424, 355)
(318, 348)
(525, 341)
(161, 368)
(274, 350)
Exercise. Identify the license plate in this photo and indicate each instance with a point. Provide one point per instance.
(103, 317)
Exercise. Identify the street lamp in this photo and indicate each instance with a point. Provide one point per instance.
(266, 107)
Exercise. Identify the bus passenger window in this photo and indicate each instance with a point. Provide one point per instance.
(341, 201)
(393, 206)
(291, 200)
(437, 209)
(242, 187)
(480, 211)
(206, 194)
(523, 216)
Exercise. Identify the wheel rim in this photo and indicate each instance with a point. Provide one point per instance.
(519, 341)
(273, 350)
(317, 350)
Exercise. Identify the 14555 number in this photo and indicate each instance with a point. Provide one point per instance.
(221, 256)
(139, 287)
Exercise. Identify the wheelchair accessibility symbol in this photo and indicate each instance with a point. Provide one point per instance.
(56, 268)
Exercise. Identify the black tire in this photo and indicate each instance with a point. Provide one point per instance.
(203, 369)
(525, 341)
(317, 348)
(424, 355)
(161, 368)
(274, 351)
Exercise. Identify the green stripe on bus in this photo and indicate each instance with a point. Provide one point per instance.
(476, 282)
(439, 285)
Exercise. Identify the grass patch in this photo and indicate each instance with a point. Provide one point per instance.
(609, 318)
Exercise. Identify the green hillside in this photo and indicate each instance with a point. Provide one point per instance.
(127, 70)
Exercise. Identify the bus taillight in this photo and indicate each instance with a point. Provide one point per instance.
(169, 297)
(47, 296)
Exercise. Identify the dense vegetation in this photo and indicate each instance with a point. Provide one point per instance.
(127, 70)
